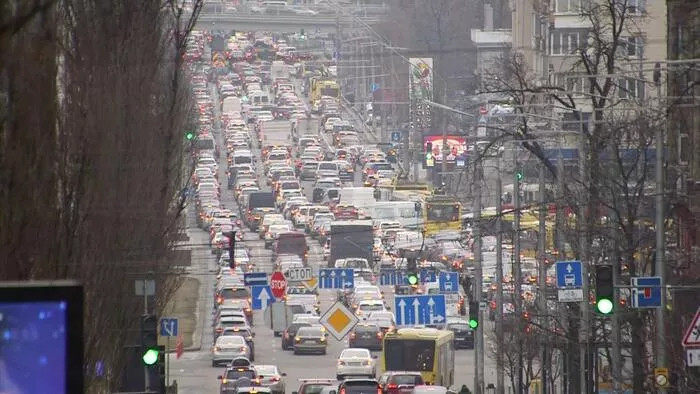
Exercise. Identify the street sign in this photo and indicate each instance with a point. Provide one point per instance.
(339, 320)
(168, 326)
(299, 274)
(483, 110)
(421, 309)
(262, 296)
(255, 278)
(428, 275)
(646, 292)
(149, 286)
(570, 295)
(692, 357)
(449, 282)
(374, 87)
(336, 278)
(396, 136)
(392, 277)
(692, 335)
(483, 120)
(661, 377)
(311, 284)
(569, 274)
(278, 284)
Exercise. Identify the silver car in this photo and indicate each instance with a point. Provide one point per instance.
(310, 340)
(270, 376)
(228, 347)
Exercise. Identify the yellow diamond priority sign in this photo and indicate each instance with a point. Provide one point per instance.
(339, 320)
(311, 284)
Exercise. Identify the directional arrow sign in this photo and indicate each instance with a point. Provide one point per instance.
(255, 278)
(336, 278)
(168, 326)
(422, 309)
(262, 297)
(448, 282)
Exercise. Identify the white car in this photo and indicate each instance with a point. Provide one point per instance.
(228, 347)
(365, 307)
(355, 362)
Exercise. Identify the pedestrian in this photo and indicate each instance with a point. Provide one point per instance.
(464, 390)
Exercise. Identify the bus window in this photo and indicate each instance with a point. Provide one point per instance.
(409, 355)
(442, 212)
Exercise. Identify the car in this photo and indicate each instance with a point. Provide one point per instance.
(431, 389)
(315, 386)
(359, 386)
(365, 307)
(355, 362)
(236, 375)
(247, 334)
(271, 377)
(310, 340)
(400, 382)
(367, 336)
(228, 347)
(290, 333)
(464, 335)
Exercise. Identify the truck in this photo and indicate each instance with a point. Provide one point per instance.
(275, 133)
(259, 203)
(304, 126)
(351, 238)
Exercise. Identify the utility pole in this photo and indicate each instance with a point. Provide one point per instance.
(582, 222)
(477, 288)
(500, 387)
(561, 256)
(542, 278)
(443, 124)
(517, 274)
(660, 267)
(383, 86)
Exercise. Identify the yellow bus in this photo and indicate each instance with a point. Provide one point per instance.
(442, 214)
(426, 350)
(326, 87)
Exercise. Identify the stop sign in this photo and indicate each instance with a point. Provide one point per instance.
(278, 284)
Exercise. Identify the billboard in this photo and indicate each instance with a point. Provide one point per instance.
(420, 88)
(456, 147)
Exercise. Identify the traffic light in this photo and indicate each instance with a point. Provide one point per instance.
(189, 135)
(604, 289)
(149, 339)
(302, 34)
(412, 268)
(519, 175)
(473, 314)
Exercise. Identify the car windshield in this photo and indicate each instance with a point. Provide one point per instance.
(355, 353)
(233, 374)
(360, 388)
(230, 340)
(309, 332)
(266, 369)
(240, 292)
(314, 388)
(459, 327)
(366, 329)
(407, 379)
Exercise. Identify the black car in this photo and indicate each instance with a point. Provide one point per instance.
(289, 334)
(464, 335)
(367, 336)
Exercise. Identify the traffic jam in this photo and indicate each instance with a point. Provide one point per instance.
(301, 208)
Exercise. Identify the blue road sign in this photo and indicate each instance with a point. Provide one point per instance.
(396, 136)
(255, 278)
(392, 277)
(421, 309)
(569, 274)
(336, 278)
(374, 87)
(448, 282)
(168, 327)
(262, 297)
(646, 292)
(428, 275)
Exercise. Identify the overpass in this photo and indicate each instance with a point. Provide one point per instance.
(275, 23)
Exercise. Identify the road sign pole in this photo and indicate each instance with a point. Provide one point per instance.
(479, 339)
(167, 363)
(660, 266)
(500, 377)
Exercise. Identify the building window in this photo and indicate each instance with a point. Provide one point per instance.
(636, 7)
(630, 88)
(569, 6)
(631, 46)
(683, 148)
(565, 43)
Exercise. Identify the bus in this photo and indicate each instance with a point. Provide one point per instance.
(326, 87)
(442, 214)
(426, 350)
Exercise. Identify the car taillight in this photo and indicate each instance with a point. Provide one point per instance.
(275, 379)
(352, 335)
(247, 310)
(243, 348)
(216, 348)
(392, 386)
(379, 335)
(341, 362)
(219, 330)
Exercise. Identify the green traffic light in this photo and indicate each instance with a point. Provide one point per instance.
(150, 357)
(519, 176)
(473, 324)
(604, 306)
(189, 135)
(412, 280)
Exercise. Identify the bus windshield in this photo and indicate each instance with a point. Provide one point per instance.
(442, 212)
(409, 355)
(330, 92)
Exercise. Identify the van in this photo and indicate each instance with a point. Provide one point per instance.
(291, 243)
(259, 98)
(242, 157)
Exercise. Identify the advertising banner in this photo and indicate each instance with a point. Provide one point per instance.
(420, 88)
(456, 147)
